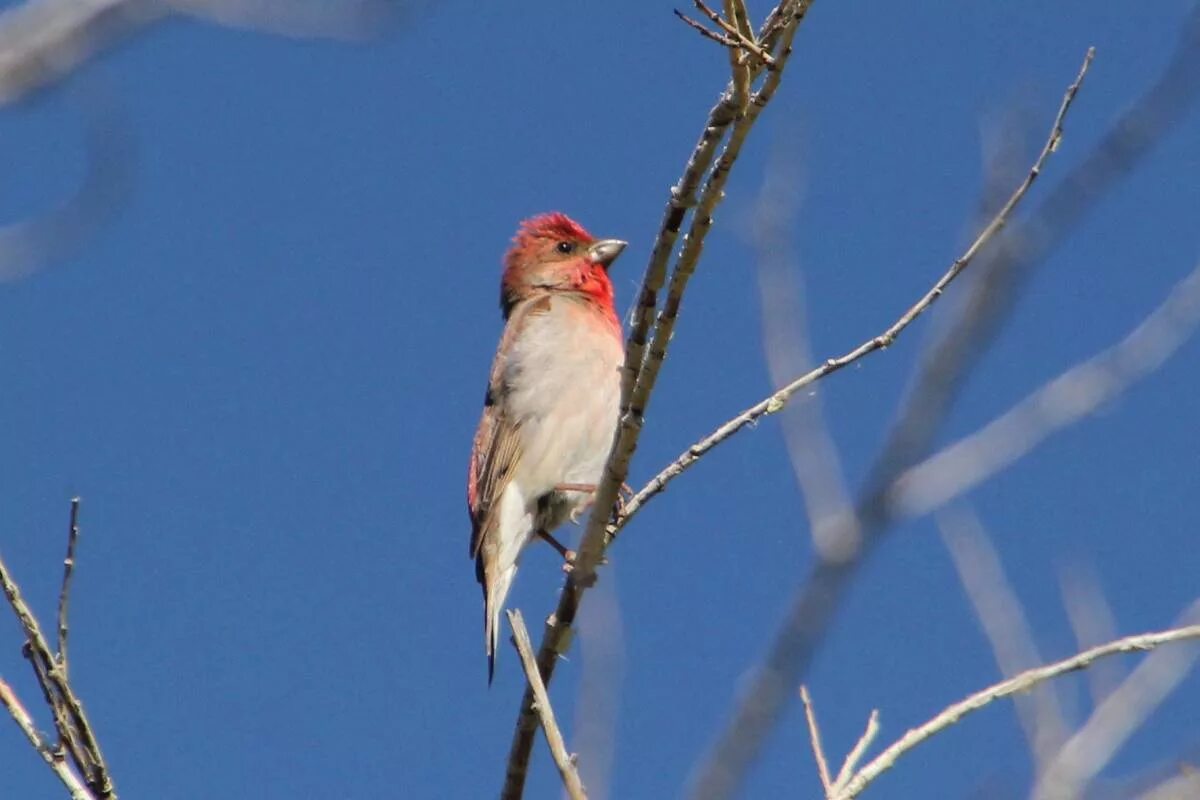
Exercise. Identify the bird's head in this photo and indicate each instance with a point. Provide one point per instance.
(553, 253)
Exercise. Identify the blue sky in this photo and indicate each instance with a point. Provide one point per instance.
(263, 376)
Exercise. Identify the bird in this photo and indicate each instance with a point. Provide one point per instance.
(552, 402)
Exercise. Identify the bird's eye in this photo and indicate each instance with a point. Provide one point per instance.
(566, 247)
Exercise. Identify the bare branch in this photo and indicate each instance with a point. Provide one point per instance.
(558, 748)
(732, 35)
(1020, 683)
(860, 749)
(780, 398)
(594, 539)
(52, 757)
(1117, 718)
(814, 737)
(720, 38)
(75, 730)
(64, 592)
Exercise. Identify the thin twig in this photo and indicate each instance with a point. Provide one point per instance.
(554, 738)
(735, 36)
(1019, 683)
(860, 749)
(64, 592)
(74, 729)
(705, 32)
(814, 737)
(778, 400)
(53, 759)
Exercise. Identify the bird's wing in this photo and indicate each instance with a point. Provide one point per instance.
(495, 453)
(497, 446)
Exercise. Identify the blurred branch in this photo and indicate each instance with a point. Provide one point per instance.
(1020, 683)
(342, 20)
(43, 41)
(106, 186)
(602, 669)
(813, 453)
(554, 738)
(700, 188)
(1003, 620)
(1185, 786)
(777, 401)
(1093, 622)
(75, 732)
(1067, 399)
(1117, 718)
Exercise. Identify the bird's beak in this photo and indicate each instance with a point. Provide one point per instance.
(605, 251)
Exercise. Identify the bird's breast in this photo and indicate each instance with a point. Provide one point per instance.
(562, 386)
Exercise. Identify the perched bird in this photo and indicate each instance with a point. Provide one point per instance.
(551, 405)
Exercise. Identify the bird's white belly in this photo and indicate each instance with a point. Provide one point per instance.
(567, 415)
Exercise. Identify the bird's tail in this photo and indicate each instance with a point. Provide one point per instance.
(495, 590)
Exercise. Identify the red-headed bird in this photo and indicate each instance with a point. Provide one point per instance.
(552, 401)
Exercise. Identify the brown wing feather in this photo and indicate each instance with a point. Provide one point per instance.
(495, 453)
(497, 446)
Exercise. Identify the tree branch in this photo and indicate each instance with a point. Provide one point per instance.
(64, 592)
(53, 758)
(554, 738)
(75, 730)
(777, 401)
(1116, 719)
(814, 738)
(1019, 683)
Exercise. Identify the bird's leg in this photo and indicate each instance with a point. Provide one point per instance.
(624, 494)
(568, 556)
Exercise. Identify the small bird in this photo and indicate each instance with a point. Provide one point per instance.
(551, 405)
